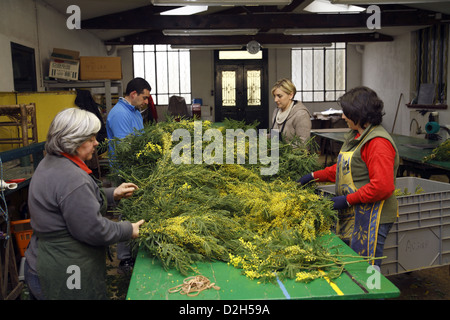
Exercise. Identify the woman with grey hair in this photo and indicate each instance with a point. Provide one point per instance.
(66, 258)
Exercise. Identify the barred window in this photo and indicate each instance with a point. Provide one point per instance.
(319, 73)
(431, 60)
(167, 70)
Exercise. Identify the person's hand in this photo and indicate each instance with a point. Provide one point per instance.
(305, 179)
(125, 190)
(340, 203)
(136, 226)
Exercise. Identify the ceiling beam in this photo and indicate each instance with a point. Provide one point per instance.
(295, 4)
(255, 9)
(150, 37)
(247, 10)
(143, 20)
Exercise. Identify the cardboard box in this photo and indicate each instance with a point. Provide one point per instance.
(64, 64)
(100, 68)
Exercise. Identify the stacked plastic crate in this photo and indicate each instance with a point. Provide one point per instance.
(421, 236)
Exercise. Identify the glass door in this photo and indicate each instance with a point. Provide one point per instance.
(241, 91)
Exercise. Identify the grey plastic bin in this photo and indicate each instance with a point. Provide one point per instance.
(421, 236)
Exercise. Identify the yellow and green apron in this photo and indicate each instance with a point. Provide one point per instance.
(358, 224)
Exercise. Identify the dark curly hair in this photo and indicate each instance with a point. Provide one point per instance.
(363, 106)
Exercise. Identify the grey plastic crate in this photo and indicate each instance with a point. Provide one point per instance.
(421, 236)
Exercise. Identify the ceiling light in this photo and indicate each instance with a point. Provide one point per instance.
(209, 32)
(220, 2)
(369, 2)
(297, 45)
(304, 32)
(205, 46)
(184, 11)
(325, 6)
(239, 55)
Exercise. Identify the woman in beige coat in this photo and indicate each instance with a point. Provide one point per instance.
(290, 117)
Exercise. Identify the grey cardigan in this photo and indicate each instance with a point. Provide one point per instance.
(298, 123)
(61, 197)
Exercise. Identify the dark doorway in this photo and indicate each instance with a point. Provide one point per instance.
(241, 88)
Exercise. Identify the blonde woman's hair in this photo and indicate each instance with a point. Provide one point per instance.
(70, 129)
(284, 85)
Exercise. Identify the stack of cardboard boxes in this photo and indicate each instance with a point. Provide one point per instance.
(68, 65)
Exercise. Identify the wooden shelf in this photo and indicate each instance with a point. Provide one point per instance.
(426, 106)
(105, 84)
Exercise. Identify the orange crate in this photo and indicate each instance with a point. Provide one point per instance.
(22, 236)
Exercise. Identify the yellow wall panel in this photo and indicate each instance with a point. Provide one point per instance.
(48, 104)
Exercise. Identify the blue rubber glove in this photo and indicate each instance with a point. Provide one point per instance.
(340, 203)
(305, 179)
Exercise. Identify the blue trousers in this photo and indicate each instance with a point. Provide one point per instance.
(383, 231)
(32, 281)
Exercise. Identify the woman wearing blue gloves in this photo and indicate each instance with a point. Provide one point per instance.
(364, 175)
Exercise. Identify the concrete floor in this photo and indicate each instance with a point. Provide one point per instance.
(426, 284)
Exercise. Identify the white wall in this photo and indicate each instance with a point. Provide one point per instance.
(17, 24)
(126, 56)
(202, 76)
(279, 61)
(387, 69)
(34, 24)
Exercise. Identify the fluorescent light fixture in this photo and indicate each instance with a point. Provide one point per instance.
(239, 55)
(220, 2)
(184, 11)
(325, 6)
(297, 45)
(206, 46)
(209, 32)
(369, 2)
(303, 32)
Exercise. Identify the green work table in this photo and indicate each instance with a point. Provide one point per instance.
(150, 281)
(411, 150)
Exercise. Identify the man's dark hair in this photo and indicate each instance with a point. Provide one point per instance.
(138, 85)
(362, 105)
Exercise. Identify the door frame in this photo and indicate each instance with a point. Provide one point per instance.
(263, 63)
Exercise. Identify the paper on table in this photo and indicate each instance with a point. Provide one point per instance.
(331, 111)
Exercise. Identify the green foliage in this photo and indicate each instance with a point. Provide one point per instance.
(297, 159)
(227, 212)
(440, 153)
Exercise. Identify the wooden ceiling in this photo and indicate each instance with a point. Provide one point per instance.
(144, 24)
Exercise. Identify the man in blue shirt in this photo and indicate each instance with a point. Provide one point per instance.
(123, 119)
(125, 116)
